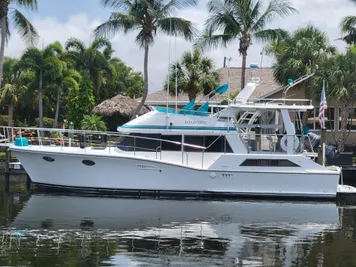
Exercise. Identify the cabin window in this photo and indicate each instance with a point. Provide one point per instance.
(268, 162)
(286, 163)
(213, 143)
(217, 144)
(250, 162)
(168, 146)
(131, 143)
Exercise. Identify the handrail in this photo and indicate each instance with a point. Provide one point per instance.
(267, 142)
(85, 133)
(159, 147)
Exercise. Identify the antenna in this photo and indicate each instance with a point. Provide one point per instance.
(228, 77)
(169, 61)
(228, 89)
(261, 53)
(176, 69)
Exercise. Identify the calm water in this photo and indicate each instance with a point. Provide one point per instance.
(52, 230)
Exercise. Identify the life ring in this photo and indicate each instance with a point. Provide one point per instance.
(283, 142)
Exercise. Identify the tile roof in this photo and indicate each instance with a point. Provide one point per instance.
(266, 86)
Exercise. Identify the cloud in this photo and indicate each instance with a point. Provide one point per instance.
(325, 14)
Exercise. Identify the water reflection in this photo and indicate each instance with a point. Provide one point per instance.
(57, 230)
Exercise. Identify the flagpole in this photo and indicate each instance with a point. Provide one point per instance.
(323, 130)
(322, 109)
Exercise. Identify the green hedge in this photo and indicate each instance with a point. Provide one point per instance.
(4, 120)
(47, 122)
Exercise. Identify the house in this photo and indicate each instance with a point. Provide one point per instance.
(267, 85)
(268, 89)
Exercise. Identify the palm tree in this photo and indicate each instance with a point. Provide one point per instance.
(47, 65)
(242, 20)
(148, 17)
(194, 74)
(341, 79)
(93, 123)
(122, 79)
(22, 25)
(70, 78)
(348, 26)
(93, 59)
(12, 86)
(299, 53)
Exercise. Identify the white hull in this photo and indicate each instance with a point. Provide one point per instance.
(120, 171)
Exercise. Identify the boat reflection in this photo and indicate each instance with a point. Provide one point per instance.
(159, 231)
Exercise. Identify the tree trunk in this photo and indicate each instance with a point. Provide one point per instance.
(145, 83)
(192, 94)
(40, 100)
(245, 42)
(243, 70)
(3, 40)
(10, 113)
(344, 114)
(55, 122)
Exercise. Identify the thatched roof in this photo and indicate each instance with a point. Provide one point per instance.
(119, 105)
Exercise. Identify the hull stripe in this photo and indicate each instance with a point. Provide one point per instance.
(159, 127)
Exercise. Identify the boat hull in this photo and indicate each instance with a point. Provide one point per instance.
(126, 174)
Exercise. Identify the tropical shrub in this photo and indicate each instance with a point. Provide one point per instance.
(93, 123)
(47, 122)
(4, 120)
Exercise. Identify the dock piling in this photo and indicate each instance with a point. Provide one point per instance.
(7, 170)
(28, 183)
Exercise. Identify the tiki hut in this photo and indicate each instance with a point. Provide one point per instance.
(119, 105)
(117, 110)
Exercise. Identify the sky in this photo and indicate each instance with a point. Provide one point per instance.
(60, 20)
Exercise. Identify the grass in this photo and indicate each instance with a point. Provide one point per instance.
(3, 155)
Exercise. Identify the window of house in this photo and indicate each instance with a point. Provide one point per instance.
(351, 122)
(313, 119)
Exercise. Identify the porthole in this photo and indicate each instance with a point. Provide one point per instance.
(49, 159)
(88, 162)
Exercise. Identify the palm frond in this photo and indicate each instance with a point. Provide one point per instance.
(212, 41)
(24, 27)
(275, 9)
(100, 43)
(75, 44)
(31, 58)
(123, 5)
(30, 4)
(117, 22)
(177, 26)
(103, 43)
(348, 23)
(271, 35)
(53, 49)
(182, 4)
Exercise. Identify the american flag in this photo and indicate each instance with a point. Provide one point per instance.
(322, 108)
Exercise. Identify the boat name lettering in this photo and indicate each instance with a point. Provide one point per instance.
(146, 167)
(195, 122)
